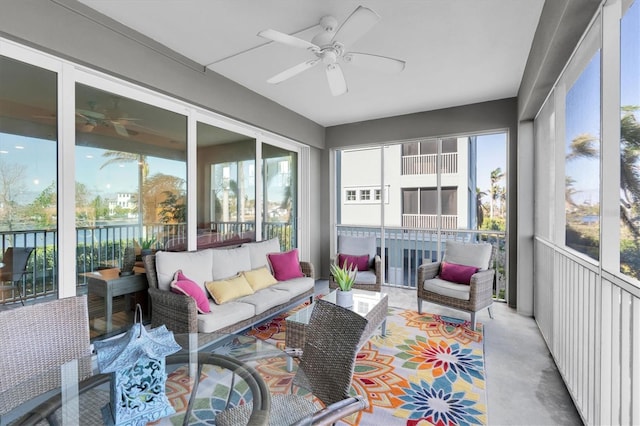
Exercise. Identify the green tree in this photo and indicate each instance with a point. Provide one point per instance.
(494, 190)
(11, 186)
(154, 193)
(173, 209)
(43, 207)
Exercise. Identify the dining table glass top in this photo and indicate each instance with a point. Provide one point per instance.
(210, 373)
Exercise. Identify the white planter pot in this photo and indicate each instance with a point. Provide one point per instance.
(344, 298)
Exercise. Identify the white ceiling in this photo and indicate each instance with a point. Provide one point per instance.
(456, 52)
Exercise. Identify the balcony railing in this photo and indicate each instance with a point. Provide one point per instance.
(103, 246)
(429, 221)
(407, 248)
(427, 164)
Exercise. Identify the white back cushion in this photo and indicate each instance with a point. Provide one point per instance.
(357, 246)
(229, 262)
(470, 254)
(195, 265)
(258, 252)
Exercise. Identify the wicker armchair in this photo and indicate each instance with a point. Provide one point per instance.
(326, 368)
(15, 264)
(34, 341)
(365, 280)
(469, 298)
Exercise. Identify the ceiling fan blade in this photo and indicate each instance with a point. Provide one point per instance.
(290, 72)
(120, 129)
(89, 113)
(356, 25)
(376, 62)
(283, 38)
(337, 83)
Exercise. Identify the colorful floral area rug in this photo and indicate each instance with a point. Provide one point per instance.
(427, 370)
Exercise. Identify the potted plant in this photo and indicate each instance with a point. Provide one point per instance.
(146, 246)
(345, 277)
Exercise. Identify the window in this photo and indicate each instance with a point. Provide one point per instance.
(629, 142)
(28, 173)
(365, 194)
(350, 195)
(131, 176)
(582, 157)
(377, 194)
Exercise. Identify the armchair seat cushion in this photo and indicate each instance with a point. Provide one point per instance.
(447, 288)
(366, 277)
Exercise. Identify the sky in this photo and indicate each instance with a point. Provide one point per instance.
(492, 153)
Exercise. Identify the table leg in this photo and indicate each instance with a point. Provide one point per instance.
(289, 364)
(383, 328)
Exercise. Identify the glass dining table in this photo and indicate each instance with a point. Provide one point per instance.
(210, 373)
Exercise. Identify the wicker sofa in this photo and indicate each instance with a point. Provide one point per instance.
(179, 312)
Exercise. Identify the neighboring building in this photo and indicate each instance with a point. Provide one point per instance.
(409, 195)
(410, 187)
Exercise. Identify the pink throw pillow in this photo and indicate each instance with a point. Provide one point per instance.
(183, 285)
(361, 263)
(457, 273)
(285, 265)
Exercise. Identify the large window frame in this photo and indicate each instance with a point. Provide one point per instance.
(69, 74)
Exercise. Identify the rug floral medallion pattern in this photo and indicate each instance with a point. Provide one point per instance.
(427, 370)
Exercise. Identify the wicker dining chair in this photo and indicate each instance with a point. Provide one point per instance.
(15, 264)
(36, 340)
(326, 368)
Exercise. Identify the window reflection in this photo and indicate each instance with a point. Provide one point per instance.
(28, 174)
(227, 202)
(130, 177)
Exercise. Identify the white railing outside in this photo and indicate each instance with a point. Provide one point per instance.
(423, 221)
(407, 248)
(589, 320)
(427, 164)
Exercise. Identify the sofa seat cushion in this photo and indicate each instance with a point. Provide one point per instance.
(266, 299)
(224, 315)
(229, 262)
(366, 277)
(447, 288)
(196, 265)
(295, 286)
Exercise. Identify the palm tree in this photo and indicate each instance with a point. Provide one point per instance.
(494, 190)
(584, 146)
(479, 210)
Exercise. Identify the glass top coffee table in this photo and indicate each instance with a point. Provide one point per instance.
(370, 304)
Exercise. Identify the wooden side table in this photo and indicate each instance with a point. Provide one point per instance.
(107, 283)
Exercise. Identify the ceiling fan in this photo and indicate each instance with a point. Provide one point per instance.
(114, 118)
(329, 48)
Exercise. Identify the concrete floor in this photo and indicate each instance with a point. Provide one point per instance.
(524, 386)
